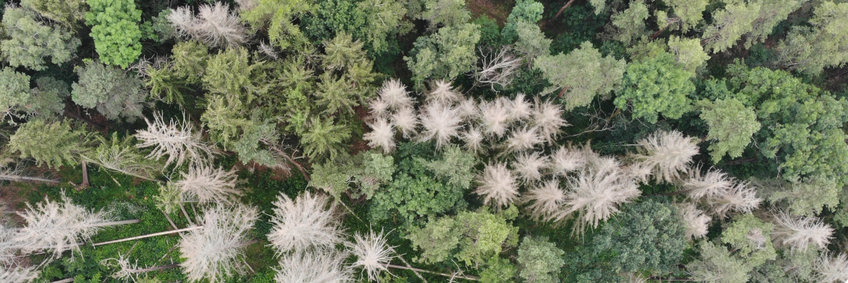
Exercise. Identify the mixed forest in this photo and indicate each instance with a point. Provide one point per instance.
(424, 141)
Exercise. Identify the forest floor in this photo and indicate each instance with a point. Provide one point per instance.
(498, 10)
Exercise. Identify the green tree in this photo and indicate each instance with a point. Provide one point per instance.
(630, 23)
(648, 236)
(361, 176)
(731, 126)
(729, 24)
(44, 100)
(581, 74)
(445, 13)
(539, 260)
(28, 42)
(531, 42)
(240, 129)
(455, 166)
(656, 86)
(750, 238)
(811, 49)
(112, 92)
(279, 16)
(469, 237)
(68, 13)
(801, 124)
(414, 192)
(384, 23)
(688, 53)
(115, 30)
(54, 144)
(690, 12)
(771, 13)
(524, 11)
(444, 55)
(324, 138)
(718, 265)
(231, 73)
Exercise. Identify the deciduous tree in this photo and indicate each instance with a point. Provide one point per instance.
(29, 42)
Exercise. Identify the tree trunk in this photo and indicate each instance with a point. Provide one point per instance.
(559, 13)
(15, 178)
(85, 183)
(146, 236)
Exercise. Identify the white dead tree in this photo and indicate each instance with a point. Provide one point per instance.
(215, 251)
(832, 269)
(15, 274)
(307, 221)
(497, 68)
(56, 227)
(497, 185)
(696, 222)
(800, 233)
(177, 140)
(373, 253)
(544, 201)
(440, 122)
(318, 265)
(15, 174)
(214, 25)
(381, 135)
(667, 154)
(205, 183)
(596, 194)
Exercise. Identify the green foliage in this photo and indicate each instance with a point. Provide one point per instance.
(28, 42)
(361, 176)
(729, 24)
(16, 96)
(751, 238)
(455, 166)
(111, 91)
(445, 13)
(448, 53)
(62, 147)
(230, 126)
(414, 193)
(531, 42)
(656, 86)
(115, 30)
(190, 60)
(811, 49)
(731, 127)
(524, 11)
(805, 197)
(583, 74)
(497, 269)
(646, 236)
(65, 12)
(798, 266)
(801, 124)
(376, 23)
(630, 23)
(688, 53)
(718, 265)
(469, 237)
(324, 139)
(230, 73)
(539, 260)
(279, 16)
(690, 12)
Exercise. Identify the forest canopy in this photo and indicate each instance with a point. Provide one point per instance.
(424, 141)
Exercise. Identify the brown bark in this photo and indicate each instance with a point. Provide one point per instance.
(559, 13)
